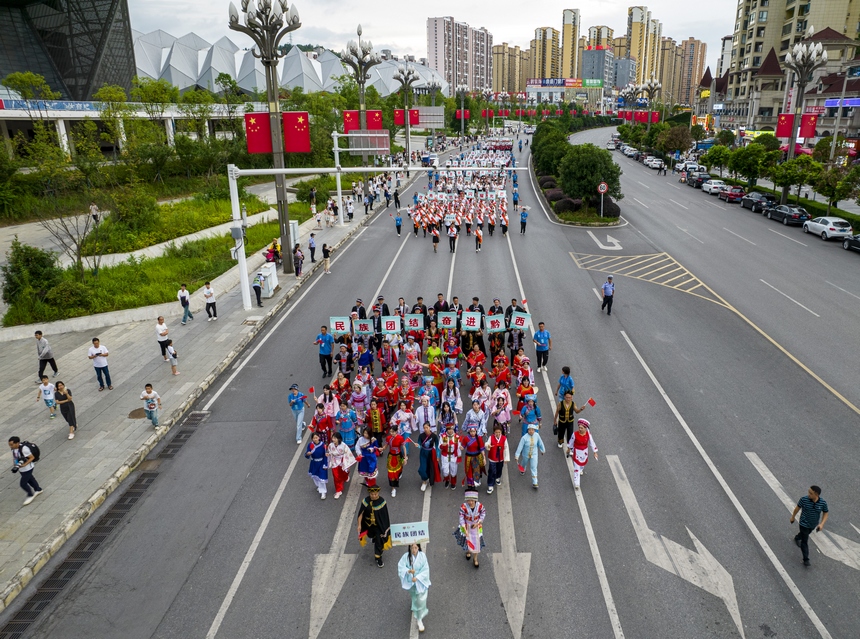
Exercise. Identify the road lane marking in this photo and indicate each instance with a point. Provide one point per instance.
(674, 186)
(829, 543)
(608, 599)
(842, 289)
(698, 567)
(642, 203)
(739, 236)
(790, 298)
(645, 185)
(789, 582)
(717, 206)
(690, 234)
(600, 297)
(679, 204)
(615, 245)
(788, 238)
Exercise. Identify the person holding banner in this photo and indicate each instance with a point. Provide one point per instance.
(374, 523)
(470, 533)
(414, 572)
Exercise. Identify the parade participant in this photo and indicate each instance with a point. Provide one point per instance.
(530, 414)
(318, 470)
(479, 239)
(364, 355)
(450, 452)
(525, 371)
(414, 572)
(411, 347)
(565, 383)
(404, 420)
(502, 414)
(373, 523)
(496, 447)
(470, 533)
(329, 400)
(517, 363)
(527, 453)
(429, 390)
(397, 458)
(451, 395)
(441, 306)
(438, 372)
(341, 387)
(476, 418)
(345, 421)
(509, 311)
(298, 402)
(452, 238)
(434, 231)
(426, 412)
(523, 390)
(446, 417)
(428, 468)
(564, 421)
(412, 368)
(433, 338)
(366, 454)
(404, 392)
(452, 350)
(376, 419)
(482, 394)
(476, 358)
(478, 377)
(504, 223)
(451, 373)
(502, 391)
(387, 355)
(578, 445)
(340, 460)
(344, 361)
(322, 424)
(473, 447)
(365, 378)
(515, 343)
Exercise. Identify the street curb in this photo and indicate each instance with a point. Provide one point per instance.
(76, 518)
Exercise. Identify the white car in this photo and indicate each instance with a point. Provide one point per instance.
(828, 227)
(712, 187)
(610, 145)
(654, 163)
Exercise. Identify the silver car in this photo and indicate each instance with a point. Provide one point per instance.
(828, 227)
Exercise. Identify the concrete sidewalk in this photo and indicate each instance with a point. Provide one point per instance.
(113, 435)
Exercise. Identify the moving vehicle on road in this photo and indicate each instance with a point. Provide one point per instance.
(712, 186)
(828, 227)
(787, 214)
(731, 194)
(757, 202)
(851, 243)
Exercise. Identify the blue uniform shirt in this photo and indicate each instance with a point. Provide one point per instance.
(524, 216)
(398, 220)
(542, 338)
(608, 288)
(326, 343)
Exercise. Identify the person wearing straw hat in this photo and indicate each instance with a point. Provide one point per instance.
(527, 452)
(373, 523)
(414, 573)
(470, 533)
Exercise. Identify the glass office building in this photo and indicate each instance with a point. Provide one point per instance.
(77, 45)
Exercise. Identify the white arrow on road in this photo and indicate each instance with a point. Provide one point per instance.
(511, 568)
(830, 544)
(700, 568)
(615, 244)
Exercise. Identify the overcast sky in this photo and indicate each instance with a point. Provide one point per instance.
(401, 26)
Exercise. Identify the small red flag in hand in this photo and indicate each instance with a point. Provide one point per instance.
(525, 301)
(591, 402)
(311, 390)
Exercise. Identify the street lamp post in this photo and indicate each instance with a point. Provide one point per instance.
(532, 100)
(488, 95)
(462, 90)
(628, 94)
(360, 58)
(407, 76)
(434, 87)
(803, 60)
(650, 88)
(266, 25)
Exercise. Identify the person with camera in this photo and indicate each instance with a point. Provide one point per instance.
(24, 459)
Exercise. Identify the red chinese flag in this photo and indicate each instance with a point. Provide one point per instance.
(467, 114)
(483, 113)
(415, 117)
(532, 112)
(784, 125)
(400, 117)
(311, 390)
(655, 116)
(350, 121)
(258, 132)
(573, 111)
(559, 112)
(297, 132)
(591, 402)
(374, 120)
(807, 125)
(628, 115)
(459, 115)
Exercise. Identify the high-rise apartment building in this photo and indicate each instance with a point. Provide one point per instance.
(725, 60)
(581, 45)
(545, 54)
(655, 37)
(619, 47)
(510, 68)
(569, 43)
(459, 53)
(598, 63)
(638, 27)
(695, 53)
(624, 72)
(601, 36)
(671, 67)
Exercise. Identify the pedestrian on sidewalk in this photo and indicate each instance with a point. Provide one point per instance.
(45, 355)
(99, 354)
(298, 402)
(184, 298)
(543, 345)
(312, 247)
(172, 357)
(318, 469)
(318, 216)
(470, 533)
(209, 296)
(608, 292)
(23, 458)
(257, 285)
(578, 445)
(298, 260)
(45, 392)
(151, 404)
(94, 212)
(326, 253)
(414, 573)
(326, 343)
(368, 201)
(63, 397)
(810, 508)
(161, 334)
(373, 523)
(387, 197)
(398, 223)
(350, 209)
(527, 453)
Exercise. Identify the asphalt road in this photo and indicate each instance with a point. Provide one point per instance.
(702, 392)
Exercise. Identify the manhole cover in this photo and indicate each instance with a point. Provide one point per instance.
(137, 413)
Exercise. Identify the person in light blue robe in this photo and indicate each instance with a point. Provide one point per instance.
(414, 572)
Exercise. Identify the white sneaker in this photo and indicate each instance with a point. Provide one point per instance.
(322, 496)
(490, 490)
(215, 319)
(298, 441)
(209, 320)
(394, 492)
(337, 495)
(37, 493)
(29, 500)
(71, 435)
(423, 487)
(420, 626)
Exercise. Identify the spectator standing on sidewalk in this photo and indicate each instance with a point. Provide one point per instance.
(45, 355)
(161, 335)
(312, 247)
(298, 260)
(172, 357)
(24, 459)
(151, 404)
(810, 507)
(63, 397)
(45, 392)
(99, 354)
(209, 296)
(184, 298)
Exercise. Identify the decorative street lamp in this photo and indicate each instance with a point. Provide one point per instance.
(407, 76)
(532, 100)
(462, 90)
(360, 58)
(650, 88)
(803, 60)
(628, 94)
(266, 25)
(434, 87)
(488, 95)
